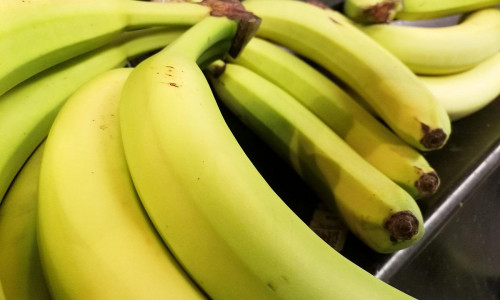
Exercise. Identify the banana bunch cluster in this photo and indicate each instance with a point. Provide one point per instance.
(120, 179)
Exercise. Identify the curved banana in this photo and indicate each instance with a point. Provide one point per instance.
(95, 240)
(372, 11)
(329, 39)
(28, 110)
(465, 93)
(20, 269)
(442, 50)
(220, 218)
(62, 29)
(373, 207)
(364, 133)
(432, 9)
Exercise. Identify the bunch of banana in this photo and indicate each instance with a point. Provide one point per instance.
(221, 220)
(356, 126)
(28, 110)
(20, 268)
(332, 41)
(62, 29)
(378, 211)
(95, 240)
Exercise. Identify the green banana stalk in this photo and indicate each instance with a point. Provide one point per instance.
(432, 9)
(379, 212)
(372, 11)
(465, 93)
(223, 222)
(331, 40)
(356, 126)
(28, 110)
(62, 29)
(442, 50)
(95, 239)
(20, 268)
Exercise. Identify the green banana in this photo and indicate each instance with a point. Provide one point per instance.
(62, 29)
(465, 93)
(220, 218)
(373, 207)
(432, 9)
(372, 11)
(442, 50)
(331, 40)
(364, 133)
(20, 269)
(28, 110)
(95, 239)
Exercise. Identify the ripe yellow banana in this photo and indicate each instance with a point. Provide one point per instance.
(20, 268)
(28, 110)
(373, 207)
(95, 239)
(442, 50)
(62, 29)
(329, 39)
(431, 9)
(364, 133)
(217, 214)
(465, 93)
(372, 11)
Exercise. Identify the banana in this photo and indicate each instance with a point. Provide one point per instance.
(95, 240)
(442, 50)
(2, 295)
(329, 39)
(368, 201)
(28, 110)
(465, 93)
(62, 29)
(217, 214)
(431, 9)
(20, 268)
(372, 11)
(364, 133)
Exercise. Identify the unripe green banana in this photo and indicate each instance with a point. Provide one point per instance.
(465, 93)
(20, 268)
(432, 9)
(373, 207)
(364, 133)
(217, 214)
(95, 239)
(28, 110)
(333, 42)
(372, 11)
(62, 29)
(442, 50)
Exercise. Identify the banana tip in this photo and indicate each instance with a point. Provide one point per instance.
(428, 183)
(433, 139)
(402, 226)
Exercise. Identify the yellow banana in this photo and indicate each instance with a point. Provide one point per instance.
(2, 295)
(20, 269)
(465, 93)
(62, 29)
(371, 204)
(95, 240)
(364, 133)
(329, 39)
(442, 50)
(432, 9)
(220, 218)
(28, 110)
(372, 11)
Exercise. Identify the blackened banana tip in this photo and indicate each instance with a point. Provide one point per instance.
(433, 139)
(428, 183)
(402, 226)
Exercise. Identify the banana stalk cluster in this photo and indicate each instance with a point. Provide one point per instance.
(120, 178)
